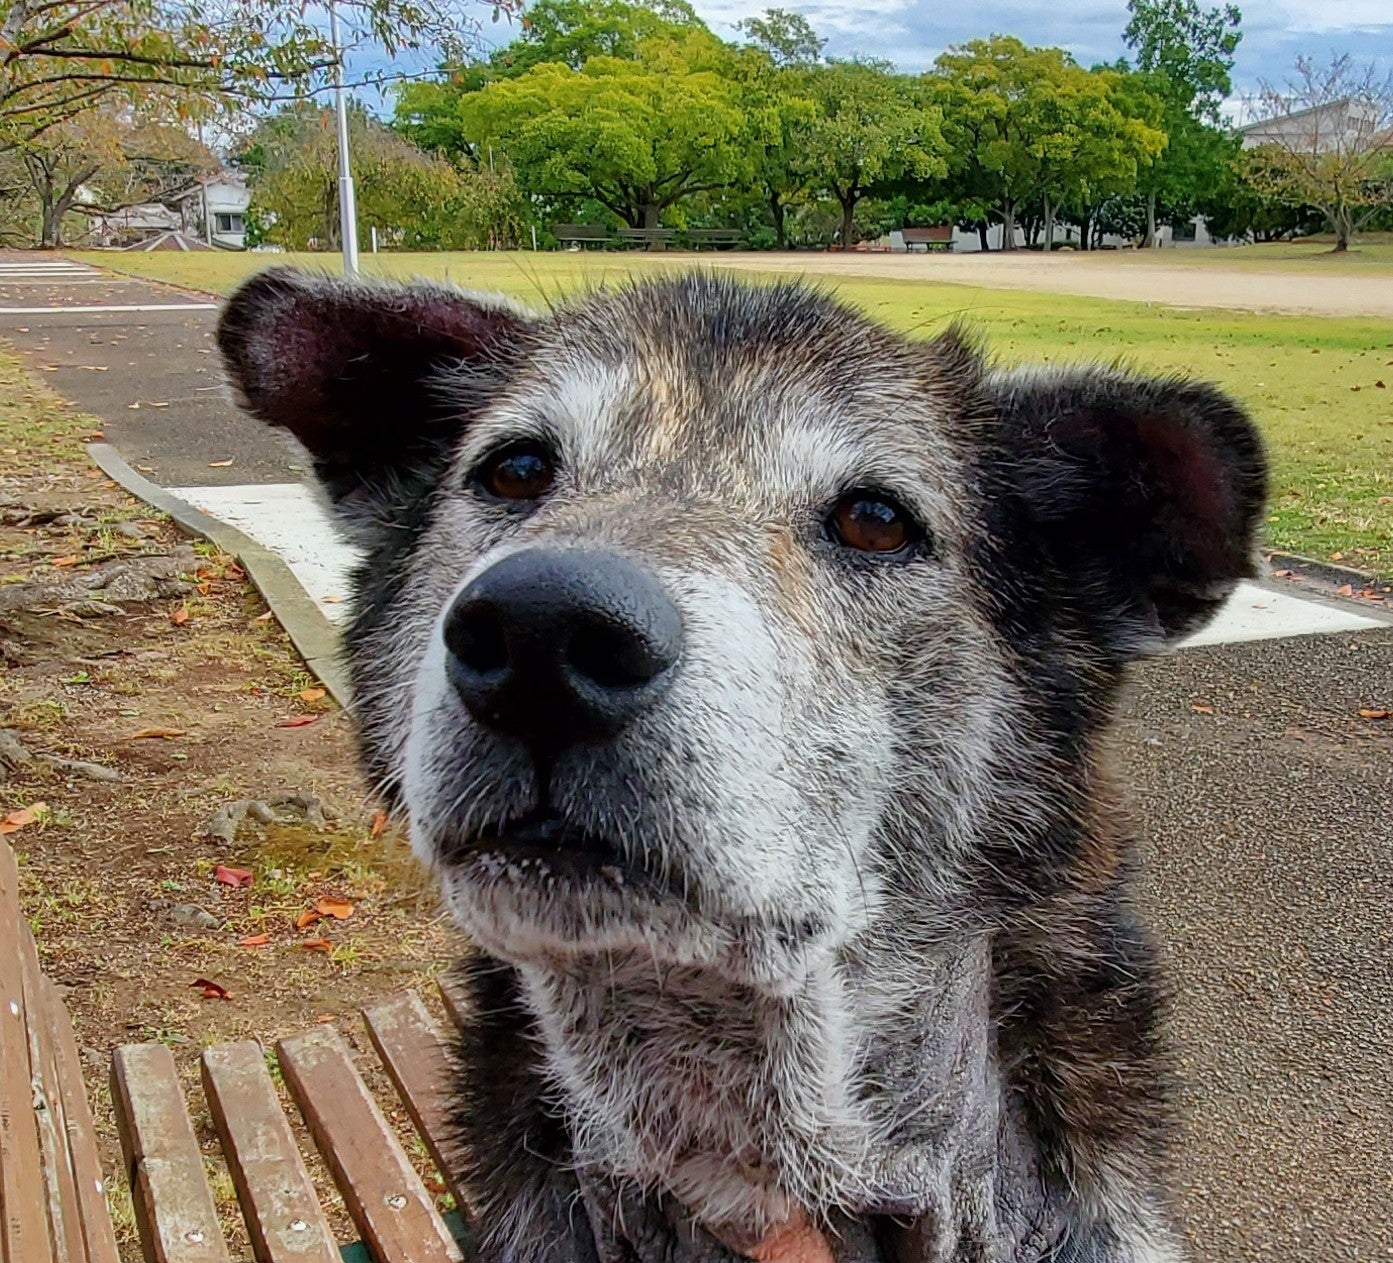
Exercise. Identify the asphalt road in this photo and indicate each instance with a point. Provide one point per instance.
(1270, 824)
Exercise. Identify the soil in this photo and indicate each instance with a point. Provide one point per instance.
(144, 690)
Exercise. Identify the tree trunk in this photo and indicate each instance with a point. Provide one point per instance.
(1150, 239)
(1086, 229)
(1343, 224)
(776, 212)
(650, 215)
(1008, 224)
(848, 220)
(983, 228)
(1049, 224)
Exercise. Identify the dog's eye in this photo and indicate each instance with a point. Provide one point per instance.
(520, 471)
(872, 522)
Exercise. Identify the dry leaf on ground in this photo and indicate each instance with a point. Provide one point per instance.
(233, 876)
(17, 820)
(211, 990)
(339, 909)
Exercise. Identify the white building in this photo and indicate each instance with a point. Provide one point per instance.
(217, 210)
(1342, 126)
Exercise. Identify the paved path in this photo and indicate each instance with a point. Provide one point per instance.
(1271, 819)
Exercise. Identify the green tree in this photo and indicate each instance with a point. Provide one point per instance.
(870, 129)
(571, 32)
(637, 136)
(1186, 53)
(787, 38)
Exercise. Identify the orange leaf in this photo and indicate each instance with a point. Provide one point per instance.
(379, 822)
(316, 945)
(256, 940)
(219, 464)
(1370, 712)
(180, 616)
(339, 909)
(299, 721)
(1345, 589)
(60, 562)
(147, 733)
(233, 876)
(1202, 708)
(17, 820)
(311, 695)
(211, 990)
(306, 919)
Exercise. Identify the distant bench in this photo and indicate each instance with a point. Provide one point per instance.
(582, 234)
(651, 238)
(714, 237)
(940, 238)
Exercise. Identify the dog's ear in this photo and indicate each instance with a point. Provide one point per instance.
(1140, 498)
(376, 381)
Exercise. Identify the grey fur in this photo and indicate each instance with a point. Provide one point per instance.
(819, 995)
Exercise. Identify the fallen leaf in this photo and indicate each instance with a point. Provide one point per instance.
(60, 562)
(180, 616)
(147, 733)
(299, 721)
(1202, 708)
(311, 695)
(339, 909)
(264, 618)
(316, 945)
(306, 919)
(1370, 712)
(204, 588)
(379, 822)
(325, 1017)
(233, 876)
(256, 940)
(1345, 589)
(219, 464)
(211, 990)
(1379, 385)
(1284, 574)
(17, 820)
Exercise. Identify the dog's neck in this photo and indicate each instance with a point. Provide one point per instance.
(871, 1088)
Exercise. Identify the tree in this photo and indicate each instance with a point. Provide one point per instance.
(1327, 143)
(59, 58)
(787, 38)
(870, 128)
(1186, 54)
(637, 136)
(571, 32)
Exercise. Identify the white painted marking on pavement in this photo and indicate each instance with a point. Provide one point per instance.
(84, 311)
(290, 520)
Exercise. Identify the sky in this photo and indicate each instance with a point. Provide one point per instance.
(911, 33)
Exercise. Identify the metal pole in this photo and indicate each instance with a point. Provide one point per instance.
(348, 213)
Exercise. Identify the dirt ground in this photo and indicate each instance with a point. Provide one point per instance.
(1109, 275)
(146, 697)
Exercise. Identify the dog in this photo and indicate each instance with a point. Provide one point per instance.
(745, 670)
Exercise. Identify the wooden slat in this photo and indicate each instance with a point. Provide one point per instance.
(24, 1226)
(456, 1002)
(60, 1189)
(284, 1218)
(98, 1234)
(380, 1187)
(173, 1204)
(414, 1051)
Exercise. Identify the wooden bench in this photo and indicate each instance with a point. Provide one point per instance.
(651, 238)
(939, 238)
(53, 1203)
(714, 237)
(582, 234)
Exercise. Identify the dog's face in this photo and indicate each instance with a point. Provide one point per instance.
(707, 621)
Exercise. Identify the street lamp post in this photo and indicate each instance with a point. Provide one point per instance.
(348, 211)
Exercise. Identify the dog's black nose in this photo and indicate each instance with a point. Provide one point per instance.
(558, 646)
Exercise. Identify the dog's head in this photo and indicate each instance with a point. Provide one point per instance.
(713, 621)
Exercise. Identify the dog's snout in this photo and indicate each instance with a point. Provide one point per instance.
(559, 646)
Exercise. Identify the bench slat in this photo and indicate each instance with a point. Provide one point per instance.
(284, 1218)
(98, 1234)
(413, 1050)
(60, 1189)
(381, 1189)
(173, 1205)
(24, 1223)
(452, 992)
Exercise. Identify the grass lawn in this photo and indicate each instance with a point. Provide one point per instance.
(1316, 386)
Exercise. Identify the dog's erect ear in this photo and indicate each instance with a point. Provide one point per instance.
(357, 371)
(1140, 497)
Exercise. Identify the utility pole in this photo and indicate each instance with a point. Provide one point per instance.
(348, 211)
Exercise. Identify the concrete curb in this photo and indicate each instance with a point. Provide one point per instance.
(310, 632)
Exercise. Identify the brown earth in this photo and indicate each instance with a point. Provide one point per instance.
(179, 685)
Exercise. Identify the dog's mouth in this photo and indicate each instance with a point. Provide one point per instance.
(543, 845)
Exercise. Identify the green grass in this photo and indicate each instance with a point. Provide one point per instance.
(1312, 383)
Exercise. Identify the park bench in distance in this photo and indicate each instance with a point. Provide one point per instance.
(53, 1206)
(652, 238)
(940, 238)
(714, 237)
(582, 234)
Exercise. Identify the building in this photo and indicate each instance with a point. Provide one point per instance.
(1344, 126)
(216, 210)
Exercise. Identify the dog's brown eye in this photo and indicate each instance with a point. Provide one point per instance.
(520, 471)
(871, 522)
